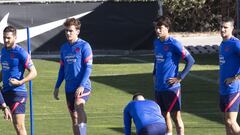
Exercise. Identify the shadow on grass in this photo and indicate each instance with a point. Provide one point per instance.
(200, 59)
(130, 83)
(114, 59)
(206, 59)
(199, 96)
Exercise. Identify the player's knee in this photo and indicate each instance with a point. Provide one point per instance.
(180, 126)
(79, 107)
(176, 119)
(179, 123)
(20, 127)
(229, 122)
(75, 124)
(74, 117)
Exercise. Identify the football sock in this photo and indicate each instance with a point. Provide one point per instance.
(83, 128)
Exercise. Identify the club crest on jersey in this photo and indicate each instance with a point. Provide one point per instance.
(11, 55)
(226, 49)
(165, 47)
(77, 50)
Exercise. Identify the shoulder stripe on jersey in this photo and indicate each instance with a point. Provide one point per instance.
(183, 53)
(88, 58)
(27, 61)
(232, 102)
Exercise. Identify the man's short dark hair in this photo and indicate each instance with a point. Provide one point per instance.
(228, 19)
(72, 21)
(136, 95)
(10, 29)
(162, 20)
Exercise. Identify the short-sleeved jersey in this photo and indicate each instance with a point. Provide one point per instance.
(229, 61)
(14, 62)
(76, 59)
(168, 53)
(143, 113)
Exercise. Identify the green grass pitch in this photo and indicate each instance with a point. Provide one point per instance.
(114, 80)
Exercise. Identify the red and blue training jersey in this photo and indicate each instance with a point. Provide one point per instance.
(229, 61)
(168, 53)
(14, 61)
(143, 113)
(75, 65)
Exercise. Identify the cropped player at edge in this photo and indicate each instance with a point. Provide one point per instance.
(229, 62)
(75, 67)
(14, 61)
(168, 52)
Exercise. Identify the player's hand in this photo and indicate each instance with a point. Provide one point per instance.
(55, 93)
(15, 82)
(229, 80)
(7, 114)
(174, 80)
(79, 92)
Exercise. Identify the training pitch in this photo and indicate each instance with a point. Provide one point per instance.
(114, 80)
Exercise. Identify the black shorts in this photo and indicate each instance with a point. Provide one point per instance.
(70, 97)
(169, 101)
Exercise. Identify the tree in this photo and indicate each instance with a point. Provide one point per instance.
(198, 15)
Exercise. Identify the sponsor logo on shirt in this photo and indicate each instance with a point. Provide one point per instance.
(70, 58)
(221, 60)
(160, 58)
(5, 65)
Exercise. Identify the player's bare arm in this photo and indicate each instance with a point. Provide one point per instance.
(7, 112)
(31, 75)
